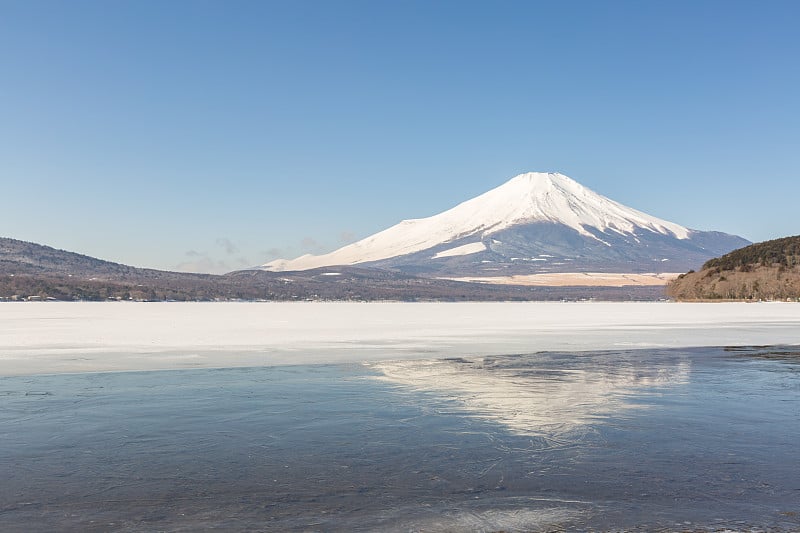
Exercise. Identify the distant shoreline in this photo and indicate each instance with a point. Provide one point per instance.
(576, 279)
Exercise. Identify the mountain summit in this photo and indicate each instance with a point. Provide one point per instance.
(535, 222)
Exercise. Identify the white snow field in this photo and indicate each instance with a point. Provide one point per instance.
(43, 338)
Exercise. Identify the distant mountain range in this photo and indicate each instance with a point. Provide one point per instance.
(534, 223)
(30, 271)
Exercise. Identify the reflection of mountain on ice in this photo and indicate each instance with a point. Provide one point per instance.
(544, 394)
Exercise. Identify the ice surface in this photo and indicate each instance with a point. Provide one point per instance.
(534, 396)
(37, 338)
(701, 439)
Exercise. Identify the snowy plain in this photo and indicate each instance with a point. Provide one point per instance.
(45, 338)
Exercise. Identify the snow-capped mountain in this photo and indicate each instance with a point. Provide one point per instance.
(535, 222)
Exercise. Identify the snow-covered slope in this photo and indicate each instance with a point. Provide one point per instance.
(526, 200)
(531, 197)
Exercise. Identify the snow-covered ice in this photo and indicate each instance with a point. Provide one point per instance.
(38, 338)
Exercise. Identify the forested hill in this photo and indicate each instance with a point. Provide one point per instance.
(783, 252)
(21, 257)
(767, 270)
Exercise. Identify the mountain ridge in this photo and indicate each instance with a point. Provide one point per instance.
(35, 272)
(485, 248)
(547, 219)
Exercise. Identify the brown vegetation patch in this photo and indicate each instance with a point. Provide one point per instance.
(765, 271)
(577, 279)
(748, 283)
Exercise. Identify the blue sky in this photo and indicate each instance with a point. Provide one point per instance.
(211, 136)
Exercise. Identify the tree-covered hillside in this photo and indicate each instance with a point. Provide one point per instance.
(783, 252)
(768, 270)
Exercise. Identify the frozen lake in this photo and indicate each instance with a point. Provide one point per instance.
(400, 417)
(40, 338)
(628, 440)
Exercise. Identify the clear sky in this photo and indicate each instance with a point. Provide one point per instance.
(210, 136)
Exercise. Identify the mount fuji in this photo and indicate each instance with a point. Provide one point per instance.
(534, 223)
